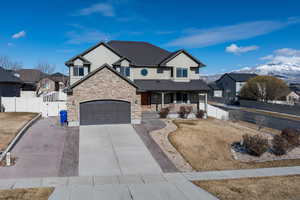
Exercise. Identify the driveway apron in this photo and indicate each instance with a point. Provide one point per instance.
(113, 150)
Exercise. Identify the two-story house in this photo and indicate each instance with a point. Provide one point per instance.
(114, 82)
(51, 87)
(232, 83)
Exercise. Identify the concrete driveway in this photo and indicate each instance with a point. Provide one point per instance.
(106, 150)
(44, 150)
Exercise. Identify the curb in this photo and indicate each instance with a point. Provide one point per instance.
(18, 136)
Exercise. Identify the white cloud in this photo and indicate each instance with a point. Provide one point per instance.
(19, 35)
(104, 9)
(196, 38)
(86, 36)
(235, 49)
(284, 56)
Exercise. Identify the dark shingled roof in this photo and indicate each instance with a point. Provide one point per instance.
(240, 77)
(7, 76)
(58, 77)
(140, 53)
(169, 85)
(31, 75)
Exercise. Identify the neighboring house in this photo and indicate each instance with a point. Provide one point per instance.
(294, 94)
(51, 87)
(215, 91)
(114, 82)
(232, 83)
(30, 77)
(293, 97)
(10, 84)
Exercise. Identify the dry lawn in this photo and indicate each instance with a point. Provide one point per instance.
(26, 194)
(205, 144)
(10, 124)
(269, 188)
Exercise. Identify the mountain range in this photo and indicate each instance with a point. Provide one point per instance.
(289, 72)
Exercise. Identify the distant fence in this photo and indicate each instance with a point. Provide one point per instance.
(288, 109)
(19, 104)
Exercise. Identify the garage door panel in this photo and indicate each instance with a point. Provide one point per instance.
(105, 112)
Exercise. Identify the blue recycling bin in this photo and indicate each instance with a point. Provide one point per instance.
(63, 116)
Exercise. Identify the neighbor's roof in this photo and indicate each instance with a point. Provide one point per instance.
(58, 77)
(239, 77)
(7, 76)
(138, 53)
(169, 85)
(31, 75)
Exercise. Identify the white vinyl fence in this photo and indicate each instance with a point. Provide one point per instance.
(19, 104)
(215, 112)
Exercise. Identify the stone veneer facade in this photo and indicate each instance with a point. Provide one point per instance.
(104, 84)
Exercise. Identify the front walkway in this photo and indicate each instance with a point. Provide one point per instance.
(106, 150)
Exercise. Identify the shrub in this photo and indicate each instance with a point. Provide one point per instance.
(255, 145)
(184, 111)
(292, 136)
(163, 113)
(181, 112)
(200, 114)
(280, 145)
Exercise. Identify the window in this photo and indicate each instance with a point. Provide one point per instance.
(197, 70)
(181, 72)
(160, 70)
(125, 71)
(78, 71)
(144, 72)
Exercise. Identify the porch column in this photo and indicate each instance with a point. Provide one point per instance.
(162, 99)
(205, 101)
(188, 98)
(174, 98)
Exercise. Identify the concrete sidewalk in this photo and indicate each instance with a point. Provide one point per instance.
(113, 150)
(140, 187)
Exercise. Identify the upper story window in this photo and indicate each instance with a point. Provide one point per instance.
(181, 72)
(144, 72)
(125, 71)
(78, 71)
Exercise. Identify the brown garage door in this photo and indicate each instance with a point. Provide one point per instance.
(104, 112)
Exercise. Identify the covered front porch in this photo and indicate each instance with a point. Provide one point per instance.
(155, 100)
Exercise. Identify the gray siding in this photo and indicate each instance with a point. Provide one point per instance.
(10, 90)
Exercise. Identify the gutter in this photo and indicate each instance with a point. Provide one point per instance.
(19, 135)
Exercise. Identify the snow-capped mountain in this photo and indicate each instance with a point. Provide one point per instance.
(283, 63)
(290, 72)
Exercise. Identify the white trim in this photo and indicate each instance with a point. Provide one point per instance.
(73, 123)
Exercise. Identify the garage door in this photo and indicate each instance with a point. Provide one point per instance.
(105, 112)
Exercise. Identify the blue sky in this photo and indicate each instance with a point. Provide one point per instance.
(225, 35)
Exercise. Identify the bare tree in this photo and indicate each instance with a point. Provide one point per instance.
(260, 121)
(7, 63)
(45, 67)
